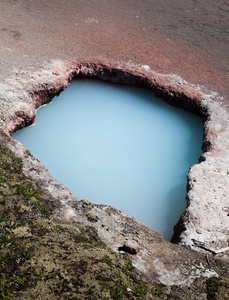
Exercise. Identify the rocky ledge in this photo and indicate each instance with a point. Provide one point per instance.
(204, 224)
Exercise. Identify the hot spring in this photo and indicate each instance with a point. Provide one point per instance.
(120, 146)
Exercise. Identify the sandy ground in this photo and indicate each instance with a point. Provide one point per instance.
(186, 37)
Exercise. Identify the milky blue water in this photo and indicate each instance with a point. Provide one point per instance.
(119, 146)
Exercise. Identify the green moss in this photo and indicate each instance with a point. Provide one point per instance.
(4, 239)
(118, 288)
(4, 290)
(27, 190)
(28, 255)
(157, 290)
(91, 217)
(218, 288)
(139, 292)
(108, 261)
(59, 228)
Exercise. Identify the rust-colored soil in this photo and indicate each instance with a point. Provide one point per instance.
(187, 37)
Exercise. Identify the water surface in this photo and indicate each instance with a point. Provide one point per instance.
(119, 146)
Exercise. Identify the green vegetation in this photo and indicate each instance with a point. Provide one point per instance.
(139, 292)
(4, 291)
(218, 288)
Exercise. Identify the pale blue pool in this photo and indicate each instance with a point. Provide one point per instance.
(119, 146)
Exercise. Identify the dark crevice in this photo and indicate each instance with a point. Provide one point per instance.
(128, 249)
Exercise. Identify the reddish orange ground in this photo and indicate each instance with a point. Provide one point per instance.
(186, 37)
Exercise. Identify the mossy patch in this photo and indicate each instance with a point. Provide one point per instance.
(218, 288)
(91, 217)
